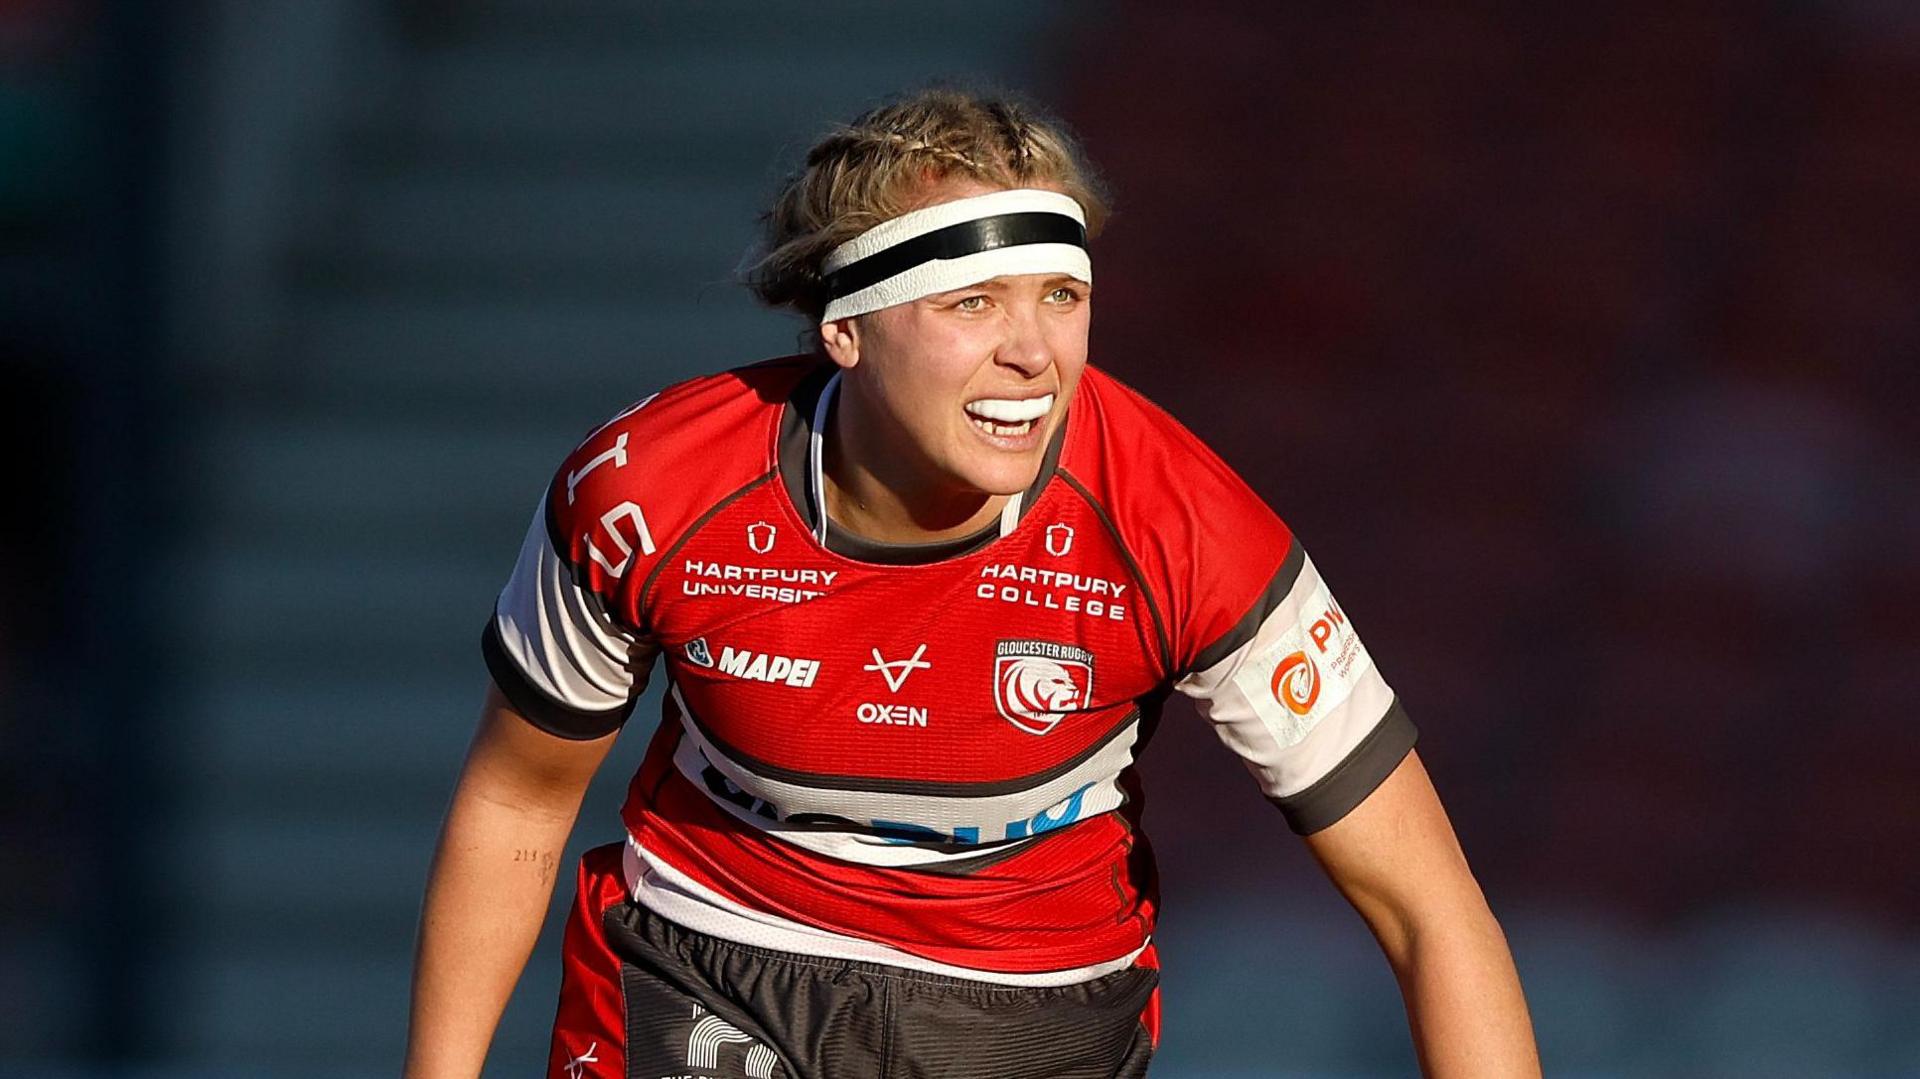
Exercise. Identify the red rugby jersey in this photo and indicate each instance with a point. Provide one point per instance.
(924, 754)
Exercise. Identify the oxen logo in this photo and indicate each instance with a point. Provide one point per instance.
(1059, 539)
(1296, 683)
(896, 671)
(1036, 684)
(760, 537)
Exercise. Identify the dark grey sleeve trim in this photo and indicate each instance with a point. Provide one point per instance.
(541, 710)
(1263, 605)
(1352, 779)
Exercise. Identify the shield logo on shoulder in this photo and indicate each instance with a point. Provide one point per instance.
(760, 536)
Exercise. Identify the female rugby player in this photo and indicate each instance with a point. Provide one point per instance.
(919, 595)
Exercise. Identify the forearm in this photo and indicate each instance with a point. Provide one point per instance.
(487, 894)
(1396, 860)
(1464, 1003)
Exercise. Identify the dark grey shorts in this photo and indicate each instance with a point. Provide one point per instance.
(694, 1005)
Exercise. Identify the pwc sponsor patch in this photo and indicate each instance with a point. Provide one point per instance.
(1037, 683)
(1296, 683)
(1306, 671)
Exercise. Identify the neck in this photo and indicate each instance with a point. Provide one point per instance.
(876, 489)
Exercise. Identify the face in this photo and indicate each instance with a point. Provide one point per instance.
(962, 390)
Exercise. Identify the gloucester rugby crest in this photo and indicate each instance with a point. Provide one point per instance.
(1036, 684)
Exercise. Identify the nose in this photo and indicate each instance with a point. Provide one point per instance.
(1026, 347)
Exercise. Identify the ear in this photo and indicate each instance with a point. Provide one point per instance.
(841, 339)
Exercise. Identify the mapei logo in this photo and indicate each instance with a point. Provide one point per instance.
(767, 667)
(1036, 684)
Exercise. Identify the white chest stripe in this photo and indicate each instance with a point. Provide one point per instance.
(877, 821)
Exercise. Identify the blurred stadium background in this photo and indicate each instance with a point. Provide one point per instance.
(1578, 341)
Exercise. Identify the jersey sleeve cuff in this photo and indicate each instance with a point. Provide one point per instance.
(535, 705)
(1364, 769)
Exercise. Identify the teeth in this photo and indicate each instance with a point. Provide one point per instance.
(993, 428)
(1013, 412)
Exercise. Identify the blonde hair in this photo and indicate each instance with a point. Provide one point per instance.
(872, 169)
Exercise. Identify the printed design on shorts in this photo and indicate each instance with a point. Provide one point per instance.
(1036, 684)
(760, 537)
(710, 1032)
(575, 1067)
(698, 653)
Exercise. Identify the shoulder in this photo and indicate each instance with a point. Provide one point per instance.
(1205, 543)
(653, 470)
(1123, 421)
(701, 414)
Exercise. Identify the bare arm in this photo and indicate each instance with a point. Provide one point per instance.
(490, 884)
(1397, 861)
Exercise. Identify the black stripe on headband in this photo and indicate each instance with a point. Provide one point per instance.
(956, 241)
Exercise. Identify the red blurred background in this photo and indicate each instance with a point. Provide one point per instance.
(1577, 342)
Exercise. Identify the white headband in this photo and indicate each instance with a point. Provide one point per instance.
(954, 244)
